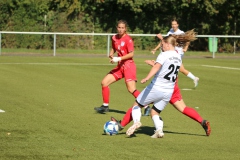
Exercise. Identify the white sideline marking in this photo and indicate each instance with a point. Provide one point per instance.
(2, 111)
(221, 67)
(186, 89)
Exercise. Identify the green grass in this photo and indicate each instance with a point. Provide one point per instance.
(49, 114)
(63, 51)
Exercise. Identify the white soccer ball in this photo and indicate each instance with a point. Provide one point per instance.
(110, 128)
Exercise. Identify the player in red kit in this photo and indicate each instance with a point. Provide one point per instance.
(177, 101)
(122, 44)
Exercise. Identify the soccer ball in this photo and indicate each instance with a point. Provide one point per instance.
(110, 128)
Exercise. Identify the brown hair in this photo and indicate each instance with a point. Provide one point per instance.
(123, 22)
(181, 39)
(174, 19)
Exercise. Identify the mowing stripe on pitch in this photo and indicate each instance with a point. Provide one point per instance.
(66, 64)
(80, 64)
(221, 67)
(186, 89)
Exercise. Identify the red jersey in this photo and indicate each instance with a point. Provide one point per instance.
(123, 45)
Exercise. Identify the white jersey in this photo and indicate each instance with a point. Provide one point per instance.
(160, 90)
(165, 78)
(179, 49)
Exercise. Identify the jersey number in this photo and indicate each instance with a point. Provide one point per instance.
(174, 71)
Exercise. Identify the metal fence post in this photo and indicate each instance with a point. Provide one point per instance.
(213, 47)
(0, 44)
(54, 45)
(108, 45)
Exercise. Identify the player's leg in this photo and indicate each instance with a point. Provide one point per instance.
(190, 75)
(136, 117)
(158, 123)
(141, 101)
(193, 114)
(147, 110)
(190, 112)
(107, 80)
(127, 118)
(130, 80)
(155, 111)
(178, 103)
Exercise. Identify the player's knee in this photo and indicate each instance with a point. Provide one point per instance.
(135, 107)
(156, 110)
(140, 105)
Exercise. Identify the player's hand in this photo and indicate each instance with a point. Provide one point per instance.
(160, 36)
(116, 59)
(153, 51)
(150, 62)
(144, 80)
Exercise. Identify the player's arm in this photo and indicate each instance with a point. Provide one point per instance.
(150, 62)
(128, 56)
(111, 53)
(185, 48)
(152, 72)
(159, 45)
(156, 48)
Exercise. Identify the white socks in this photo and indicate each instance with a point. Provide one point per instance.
(136, 114)
(190, 75)
(157, 122)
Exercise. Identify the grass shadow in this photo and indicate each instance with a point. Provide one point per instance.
(150, 131)
(111, 110)
(117, 111)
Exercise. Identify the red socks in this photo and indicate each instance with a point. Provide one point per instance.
(127, 117)
(105, 94)
(135, 93)
(190, 112)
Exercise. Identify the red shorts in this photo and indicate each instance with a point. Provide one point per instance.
(125, 70)
(176, 96)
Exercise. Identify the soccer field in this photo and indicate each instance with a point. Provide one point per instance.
(47, 103)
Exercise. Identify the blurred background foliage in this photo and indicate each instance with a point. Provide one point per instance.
(215, 17)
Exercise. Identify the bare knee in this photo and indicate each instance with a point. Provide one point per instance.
(107, 80)
(131, 86)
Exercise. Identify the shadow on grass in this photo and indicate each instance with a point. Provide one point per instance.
(117, 111)
(111, 110)
(150, 131)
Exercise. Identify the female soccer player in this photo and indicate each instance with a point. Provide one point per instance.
(160, 90)
(122, 44)
(177, 102)
(175, 30)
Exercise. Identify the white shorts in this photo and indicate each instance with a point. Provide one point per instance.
(155, 95)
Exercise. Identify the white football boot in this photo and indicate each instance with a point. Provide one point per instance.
(158, 134)
(195, 81)
(132, 129)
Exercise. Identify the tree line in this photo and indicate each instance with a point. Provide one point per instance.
(207, 17)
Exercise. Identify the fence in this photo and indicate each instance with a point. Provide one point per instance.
(212, 42)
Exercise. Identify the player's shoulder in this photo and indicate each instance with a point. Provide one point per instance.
(128, 38)
(171, 31)
(114, 37)
(179, 31)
